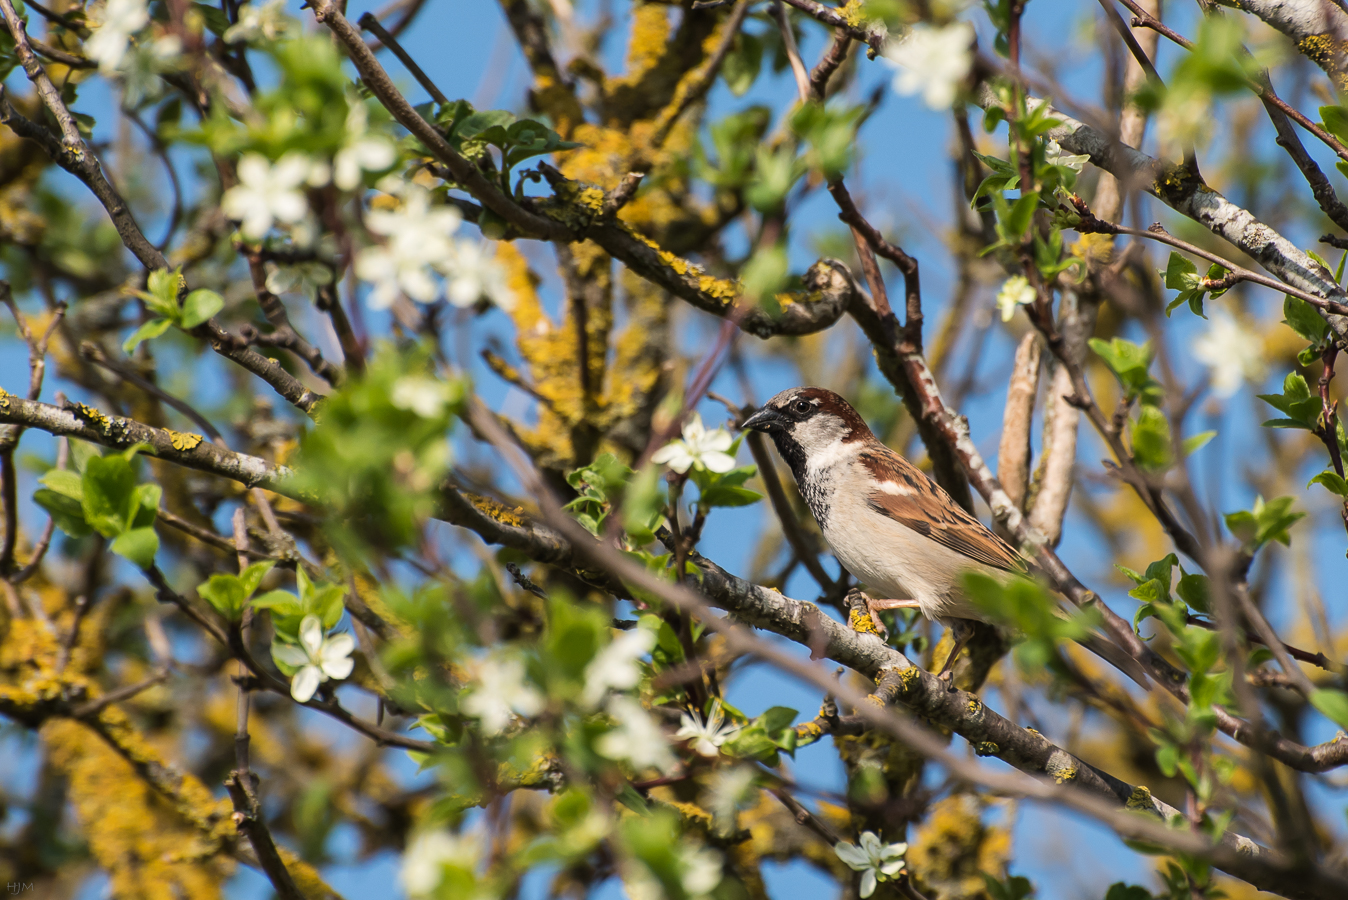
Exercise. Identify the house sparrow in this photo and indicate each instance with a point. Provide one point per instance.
(889, 524)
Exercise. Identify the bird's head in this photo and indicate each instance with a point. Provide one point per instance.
(809, 425)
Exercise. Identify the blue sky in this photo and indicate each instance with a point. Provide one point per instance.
(464, 47)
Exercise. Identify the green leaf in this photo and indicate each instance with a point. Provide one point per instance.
(282, 603)
(765, 274)
(1296, 402)
(1180, 273)
(217, 23)
(1197, 441)
(775, 171)
(642, 505)
(1266, 522)
(145, 505)
(1022, 213)
(138, 545)
(742, 64)
(1152, 449)
(1302, 318)
(200, 306)
(226, 593)
(151, 329)
(1334, 704)
(775, 718)
(1333, 481)
(1195, 591)
(66, 511)
(1336, 121)
(729, 495)
(109, 499)
(252, 576)
(1167, 760)
(1129, 362)
(1152, 590)
(81, 452)
(161, 294)
(64, 482)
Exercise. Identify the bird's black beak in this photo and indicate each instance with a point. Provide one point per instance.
(765, 420)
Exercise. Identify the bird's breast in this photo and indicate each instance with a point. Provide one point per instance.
(894, 561)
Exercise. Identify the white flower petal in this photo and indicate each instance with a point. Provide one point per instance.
(305, 682)
(719, 439)
(868, 882)
(336, 656)
(254, 170)
(290, 654)
(720, 463)
(311, 635)
(852, 855)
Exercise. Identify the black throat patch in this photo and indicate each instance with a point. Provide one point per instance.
(812, 486)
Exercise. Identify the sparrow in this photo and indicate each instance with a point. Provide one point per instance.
(889, 524)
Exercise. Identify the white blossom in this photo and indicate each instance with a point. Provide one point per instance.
(637, 739)
(615, 667)
(111, 35)
(361, 151)
(699, 447)
(427, 397)
(877, 861)
(1233, 353)
(706, 737)
(268, 193)
(730, 786)
(429, 852)
(932, 61)
(700, 873)
(1016, 291)
(318, 658)
(140, 69)
(501, 692)
(473, 273)
(1053, 154)
(302, 278)
(416, 239)
(267, 21)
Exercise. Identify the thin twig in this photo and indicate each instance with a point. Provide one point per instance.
(703, 80)
(833, 58)
(371, 24)
(792, 51)
(251, 823)
(97, 705)
(1091, 225)
(92, 352)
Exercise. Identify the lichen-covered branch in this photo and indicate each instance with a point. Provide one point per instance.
(1186, 193)
(465, 173)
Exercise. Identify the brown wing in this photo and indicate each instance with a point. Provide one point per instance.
(919, 503)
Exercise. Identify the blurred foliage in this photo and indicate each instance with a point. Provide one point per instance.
(563, 722)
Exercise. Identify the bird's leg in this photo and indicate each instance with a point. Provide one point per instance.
(962, 632)
(873, 607)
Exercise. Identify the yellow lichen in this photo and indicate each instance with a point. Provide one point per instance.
(182, 441)
(1140, 799)
(859, 620)
(954, 846)
(1061, 767)
(497, 510)
(138, 838)
(100, 421)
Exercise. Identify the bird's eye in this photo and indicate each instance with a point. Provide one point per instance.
(801, 406)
